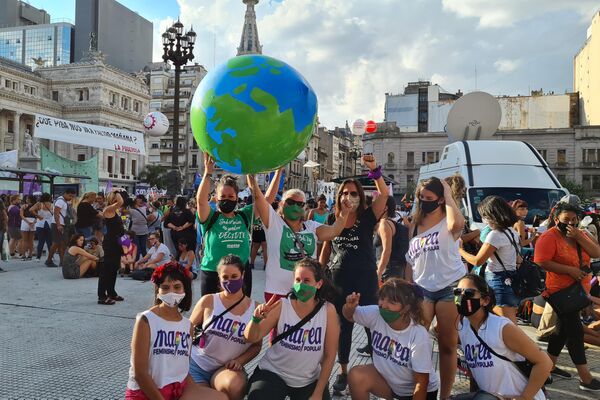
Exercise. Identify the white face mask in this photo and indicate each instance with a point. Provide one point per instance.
(354, 202)
(171, 299)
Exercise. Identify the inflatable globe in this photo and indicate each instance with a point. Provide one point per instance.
(253, 114)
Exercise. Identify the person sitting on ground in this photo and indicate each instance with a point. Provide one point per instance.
(77, 262)
(401, 371)
(158, 254)
(220, 351)
(186, 256)
(130, 251)
(95, 249)
(492, 344)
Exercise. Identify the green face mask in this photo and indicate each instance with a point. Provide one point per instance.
(293, 213)
(304, 292)
(389, 316)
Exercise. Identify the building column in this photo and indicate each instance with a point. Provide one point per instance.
(17, 134)
(3, 130)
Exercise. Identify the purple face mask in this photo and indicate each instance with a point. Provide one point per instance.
(232, 285)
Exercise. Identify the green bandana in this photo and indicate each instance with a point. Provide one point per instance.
(304, 292)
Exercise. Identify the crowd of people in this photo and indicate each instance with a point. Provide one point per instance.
(403, 277)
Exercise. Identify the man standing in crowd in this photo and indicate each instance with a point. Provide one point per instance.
(61, 226)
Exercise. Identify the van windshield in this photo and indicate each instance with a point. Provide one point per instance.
(539, 200)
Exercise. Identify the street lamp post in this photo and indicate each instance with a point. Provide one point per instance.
(178, 49)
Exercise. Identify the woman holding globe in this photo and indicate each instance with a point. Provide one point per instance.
(226, 230)
(289, 237)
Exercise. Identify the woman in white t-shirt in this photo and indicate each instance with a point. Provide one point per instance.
(482, 333)
(500, 250)
(402, 349)
(220, 350)
(289, 237)
(298, 365)
(433, 253)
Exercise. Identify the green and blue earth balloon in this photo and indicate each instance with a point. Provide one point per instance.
(253, 114)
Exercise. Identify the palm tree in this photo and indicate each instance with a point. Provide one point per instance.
(155, 175)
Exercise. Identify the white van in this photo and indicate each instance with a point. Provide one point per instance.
(510, 169)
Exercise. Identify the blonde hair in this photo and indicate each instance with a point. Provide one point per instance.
(87, 196)
(458, 186)
(111, 197)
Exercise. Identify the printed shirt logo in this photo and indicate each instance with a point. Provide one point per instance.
(388, 349)
(348, 240)
(424, 244)
(171, 342)
(477, 356)
(232, 233)
(303, 339)
(228, 329)
(289, 252)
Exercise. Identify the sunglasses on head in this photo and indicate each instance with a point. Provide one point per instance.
(292, 202)
(467, 293)
(353, 193)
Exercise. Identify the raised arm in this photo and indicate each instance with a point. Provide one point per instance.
(330, 232)
(204, 189)
(454, 217)
(261, 205)
(325, 254)
(379, 203)
(264, 319)
(271, 192)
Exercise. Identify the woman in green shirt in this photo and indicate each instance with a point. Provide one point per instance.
(225, 230)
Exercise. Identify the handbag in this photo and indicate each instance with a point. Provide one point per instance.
(526, 280)
(200, 332)
(524, 366)
(570, 299)
(299, 325)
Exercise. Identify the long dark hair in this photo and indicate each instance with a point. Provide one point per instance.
(175, 272)
(498, 212)
(485, 290)
(326, 292)
(400, 291)
(432, 184)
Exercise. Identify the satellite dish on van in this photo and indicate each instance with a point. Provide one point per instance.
(475, 116)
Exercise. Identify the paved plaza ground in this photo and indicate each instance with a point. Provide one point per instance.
(57, 343)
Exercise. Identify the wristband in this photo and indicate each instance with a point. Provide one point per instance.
(375, 174)
(256, 320)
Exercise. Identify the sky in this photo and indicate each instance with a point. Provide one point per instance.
(354, 51)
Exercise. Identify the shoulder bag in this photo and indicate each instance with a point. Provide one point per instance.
(570, 299)
(524, 366)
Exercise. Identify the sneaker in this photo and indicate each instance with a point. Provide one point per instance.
(593, 386)
(561, 373)
(366, 350)
(340, 384)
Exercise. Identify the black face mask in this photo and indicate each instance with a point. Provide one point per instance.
(227, 206)
(467, 306)
(429, 206)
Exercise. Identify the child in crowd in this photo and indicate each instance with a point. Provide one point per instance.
(129, 253)
(161, 343)
(402, 367)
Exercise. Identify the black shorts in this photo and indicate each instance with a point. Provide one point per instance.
(258, 235)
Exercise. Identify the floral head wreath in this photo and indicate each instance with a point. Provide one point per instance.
(160, 271)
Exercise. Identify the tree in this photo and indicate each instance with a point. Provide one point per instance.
(575, 188)
(155, 175)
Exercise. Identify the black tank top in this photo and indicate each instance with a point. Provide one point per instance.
(114, 230)
(399, 243)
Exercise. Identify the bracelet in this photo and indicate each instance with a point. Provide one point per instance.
(375, 174)
(256, 320)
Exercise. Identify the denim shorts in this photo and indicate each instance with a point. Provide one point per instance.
(445, 294)
(198, 374)
(505, 297)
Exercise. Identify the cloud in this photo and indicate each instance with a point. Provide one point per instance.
(504, 65)
(353, 51)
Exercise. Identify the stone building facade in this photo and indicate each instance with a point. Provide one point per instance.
(89, 91)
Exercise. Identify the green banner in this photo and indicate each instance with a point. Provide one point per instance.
(56, 163)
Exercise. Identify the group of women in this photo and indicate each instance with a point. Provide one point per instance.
(310, 306)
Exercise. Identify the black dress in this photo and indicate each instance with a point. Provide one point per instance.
(107, 276)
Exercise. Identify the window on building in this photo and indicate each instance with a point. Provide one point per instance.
(194, 161)
(591, 182)
(55, 95)
(194, 144)
(544, 154)
(390, 158)
(84, 94)
(561, 157)
(11, 126)
(7, 83)
(136, 106)
(410, 178)
(591, 156)
(410, 158)
(428, 157)
(133, 167)
(109, 164)
(80, 157)
(122, 166)
(155, 145)
(113, 99)
(15, 85)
